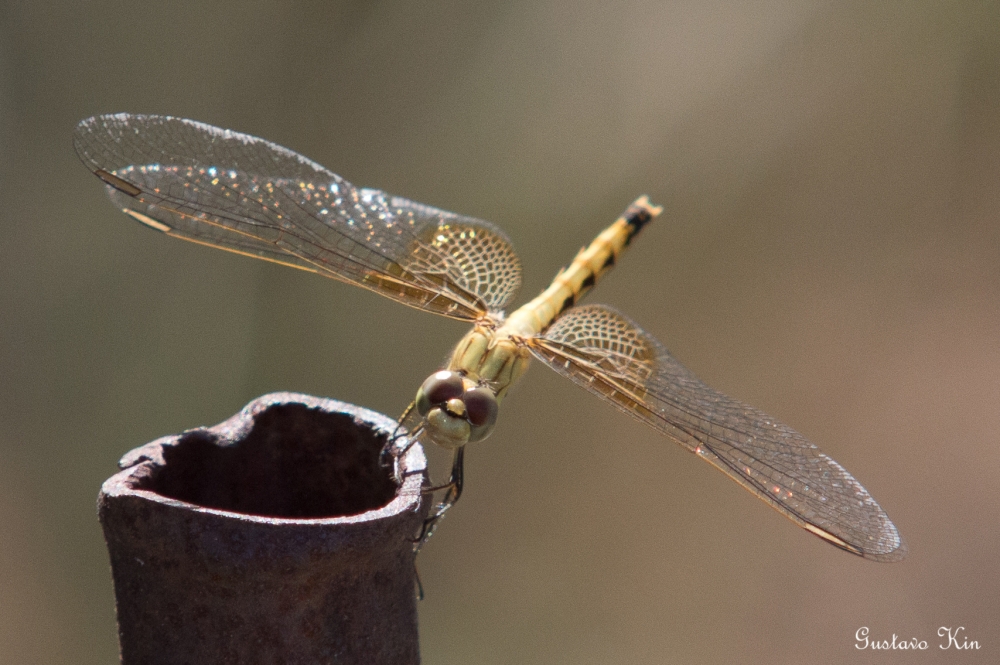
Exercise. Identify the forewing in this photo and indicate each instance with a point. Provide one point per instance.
(244, 194)
(606, 353)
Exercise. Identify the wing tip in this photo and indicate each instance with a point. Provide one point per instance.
(898, 553)
(877, 552)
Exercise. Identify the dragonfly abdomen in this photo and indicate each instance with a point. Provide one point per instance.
(499, 356)
(588, 267)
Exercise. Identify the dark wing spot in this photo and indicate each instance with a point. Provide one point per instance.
(119, 184)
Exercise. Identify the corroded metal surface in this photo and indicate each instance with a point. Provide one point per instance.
(274, 537)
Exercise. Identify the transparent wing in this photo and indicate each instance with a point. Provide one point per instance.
(243, 194)
(606, 353)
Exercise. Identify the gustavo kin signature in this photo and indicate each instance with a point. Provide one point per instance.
(950, 638)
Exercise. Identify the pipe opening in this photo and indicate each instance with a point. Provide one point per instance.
(295, 462)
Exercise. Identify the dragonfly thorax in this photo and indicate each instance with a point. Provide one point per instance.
(459, 404)
(493, 356)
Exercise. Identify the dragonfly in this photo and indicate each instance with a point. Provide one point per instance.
(243, 194)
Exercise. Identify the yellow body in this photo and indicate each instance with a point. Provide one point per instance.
(495, 352)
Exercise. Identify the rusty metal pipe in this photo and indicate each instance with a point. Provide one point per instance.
(274, 537)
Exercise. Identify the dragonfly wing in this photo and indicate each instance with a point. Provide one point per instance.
(244, 194)
(607, 354)
(472, 253)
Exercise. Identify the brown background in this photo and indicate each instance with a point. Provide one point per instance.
(830, 252)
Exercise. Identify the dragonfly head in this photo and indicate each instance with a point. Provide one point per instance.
(456, 410)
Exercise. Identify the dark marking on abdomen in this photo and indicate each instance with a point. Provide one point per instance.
(588, 282)
(609, 262)
(636, 218)
(569, 302)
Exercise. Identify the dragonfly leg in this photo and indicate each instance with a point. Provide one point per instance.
(390, 454)
(453, 491)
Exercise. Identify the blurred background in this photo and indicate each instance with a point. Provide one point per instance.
(829, 252)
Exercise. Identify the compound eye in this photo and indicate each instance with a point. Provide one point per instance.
(480, 407)
(443, 386)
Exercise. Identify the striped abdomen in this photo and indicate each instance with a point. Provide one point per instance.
(589, 266)
(497, 355)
